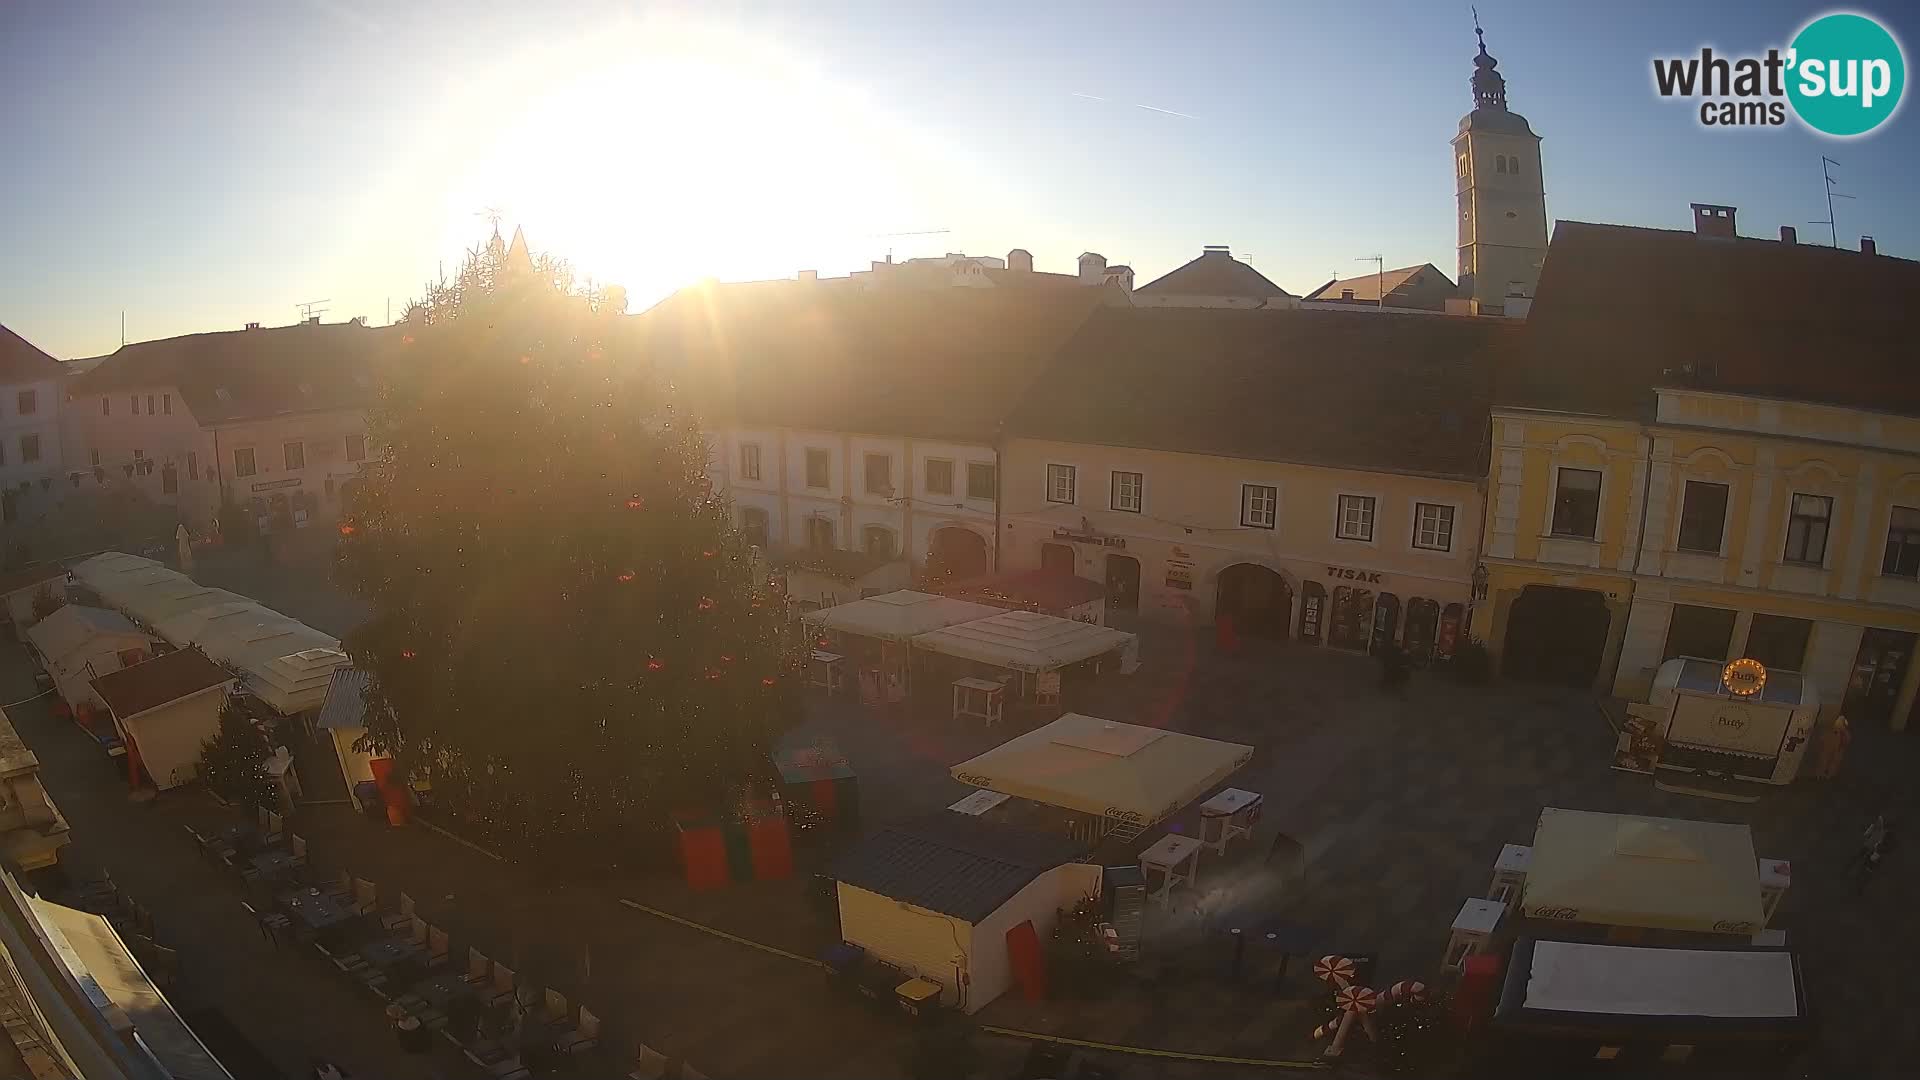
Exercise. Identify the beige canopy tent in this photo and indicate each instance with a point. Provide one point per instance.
(1026, 641)
(897, 616)
(1662, 873)
(1106, 769)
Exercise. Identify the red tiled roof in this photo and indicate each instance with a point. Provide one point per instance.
(1215, 273)
(22, 361)
(153, 683)
(1621, 310)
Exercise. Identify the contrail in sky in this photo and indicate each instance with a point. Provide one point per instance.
(1167, 112)
(1089, 97)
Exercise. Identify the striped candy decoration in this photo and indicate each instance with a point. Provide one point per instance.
(1336, 971)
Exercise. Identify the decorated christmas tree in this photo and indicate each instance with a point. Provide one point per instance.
(234, 762)
(568, 637)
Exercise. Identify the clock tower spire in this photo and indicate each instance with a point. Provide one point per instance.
(1501, 194)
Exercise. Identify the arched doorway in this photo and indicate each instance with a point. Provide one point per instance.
(1256, 598)
(1352, 624)
(1423, 628)
(1123, 584)
(958, 553)
(1056, 558)
(1386, 621)
(1556, 635)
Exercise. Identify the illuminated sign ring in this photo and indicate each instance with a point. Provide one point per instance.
(1744, 677)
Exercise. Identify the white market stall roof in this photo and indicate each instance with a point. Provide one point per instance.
(1580, 977)
(74, 625)
(286, 662)
(1024, 641)
(1099, 767)
(898, 616)
(1663, 873)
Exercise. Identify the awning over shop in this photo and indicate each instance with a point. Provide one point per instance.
(1100, 767)
(1024, 641)
(286, 662)
(1663, 873)
(99, 960)
(897, 616)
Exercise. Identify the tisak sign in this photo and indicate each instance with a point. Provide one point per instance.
(1744, 677)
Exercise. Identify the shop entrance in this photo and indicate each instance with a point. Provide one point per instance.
(1878, 670)
(1056, 558)
(959, 552)
(1556, 635)
(1123, 584)
(1256, 598)
(1423, 627)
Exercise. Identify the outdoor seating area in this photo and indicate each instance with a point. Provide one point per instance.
(432, 992)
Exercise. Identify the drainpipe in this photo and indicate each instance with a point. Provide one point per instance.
(999, 436)
(1646, 486)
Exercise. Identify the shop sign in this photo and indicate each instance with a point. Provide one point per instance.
(1347, 573)
(1744, 677)
(275, 485)
(1310, 617)
(1179, 569)
(1090, 538)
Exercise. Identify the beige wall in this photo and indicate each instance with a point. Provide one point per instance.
(1191, 513)
(1040, 902)
(169, 738)
(323, 437)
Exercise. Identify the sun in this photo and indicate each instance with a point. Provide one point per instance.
(659, 152)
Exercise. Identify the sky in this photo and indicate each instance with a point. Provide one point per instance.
(201, 164)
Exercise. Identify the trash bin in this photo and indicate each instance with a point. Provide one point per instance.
(919, 999)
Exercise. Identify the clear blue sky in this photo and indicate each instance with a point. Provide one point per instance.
(203, 164)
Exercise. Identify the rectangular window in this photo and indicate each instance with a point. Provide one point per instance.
(296, 455)
(879, 541)
(1576, 503)
(166, 404)
(133, 404)
(1903, 543)
(1703, 517)
(1432, 527)
(193, 465)
(106, 405)
(753, 526)
(981, 480)
(939, 477)
(93, 457)
(243, 461)
(1779, 642)
(749, 461)
(879, 474)
(819, 532)
(169, 480)
(1259, 506)
(1126, 492)
(29, 448)
(1060, 483)
(356, 448)
(27, 401)
(1807, 521)
(1704, 632)
(819, 469)
(1356, 517)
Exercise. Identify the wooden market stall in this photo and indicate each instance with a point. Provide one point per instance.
(875, 635)
(1101, 777)
(1739, 720)
(165, 708)
(1613, 871)
(1034, 654)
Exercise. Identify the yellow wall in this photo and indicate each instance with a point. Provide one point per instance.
(169, 738)
(920, 941)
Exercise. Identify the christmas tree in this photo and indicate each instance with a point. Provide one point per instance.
(234, 762)
(568, 637)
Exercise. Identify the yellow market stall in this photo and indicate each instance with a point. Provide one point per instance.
(1616, 870)
(165, 708)
(877, 631)
(1033, 653)
(1110, 777)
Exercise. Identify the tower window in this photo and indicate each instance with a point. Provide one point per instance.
(1500, 163)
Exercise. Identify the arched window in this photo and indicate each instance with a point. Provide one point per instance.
(879, 540)
(1500, 163)
(1513, 165)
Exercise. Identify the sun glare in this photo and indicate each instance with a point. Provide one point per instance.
(662, 152)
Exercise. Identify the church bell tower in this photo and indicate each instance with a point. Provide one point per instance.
(1501, 194)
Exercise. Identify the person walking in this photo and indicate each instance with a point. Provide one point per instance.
(1833, 749)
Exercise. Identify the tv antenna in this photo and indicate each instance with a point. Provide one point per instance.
(1379, 277)
(492, 215)
(311, 309)
(1827, 165)
(910, 232)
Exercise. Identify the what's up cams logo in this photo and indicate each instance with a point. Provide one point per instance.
(1842, 76)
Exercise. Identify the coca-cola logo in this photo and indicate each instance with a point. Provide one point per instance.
(970, 778)
(1733, 926)
(1556, 913)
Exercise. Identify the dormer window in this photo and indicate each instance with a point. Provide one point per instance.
(221, 393)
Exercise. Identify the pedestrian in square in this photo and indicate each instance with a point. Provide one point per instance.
(1833, 749)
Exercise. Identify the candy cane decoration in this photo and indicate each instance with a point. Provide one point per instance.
(1405, 990)
(1335, 971)
(1353, 1001)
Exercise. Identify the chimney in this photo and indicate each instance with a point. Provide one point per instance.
(253, 326)
(1346, 294)
(1020, 260)
(313, 320)
(1093, 268)
(1867, 246)
(1216, 249)
(1710, 219)
(808, 277)
(1788, 235)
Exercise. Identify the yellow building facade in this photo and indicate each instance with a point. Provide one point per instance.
(1725, 525)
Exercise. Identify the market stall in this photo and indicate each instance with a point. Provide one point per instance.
(1036, 654)
(1614, 870)
(1737, 719)
(875, 635)
(1105, 775)
(1049, 592)
(1632, 1010)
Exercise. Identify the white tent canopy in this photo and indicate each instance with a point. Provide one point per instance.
(897, 616)
(1104, 768)
(1662, 873)
(285, 661)
(1024, 641)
